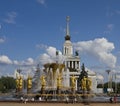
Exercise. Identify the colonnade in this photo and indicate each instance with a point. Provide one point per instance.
(72, 64)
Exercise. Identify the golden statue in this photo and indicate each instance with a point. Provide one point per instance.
(20, 82)
(29, 82)
(43, 81)
(73, 81)
(17, 83)
(83, 85)
(59, 81)
(89, 83)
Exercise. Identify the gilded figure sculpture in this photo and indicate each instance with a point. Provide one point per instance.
(73, 81)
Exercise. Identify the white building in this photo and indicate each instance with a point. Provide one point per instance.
(72, 62)
(72, 67)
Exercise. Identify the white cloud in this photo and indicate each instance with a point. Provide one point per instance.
(109, 28)
(2, 40)
(11, 17)
(100, 49)
(7, 65)
(27, 62)
(15, 62)
(5, 60)
(42, 2)
(50, 56)
(25, 71)
(41, 46)
(51, 51)
(26, 66)
(45, 58)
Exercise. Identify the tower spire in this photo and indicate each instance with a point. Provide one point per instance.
(67, 37)
(67, 28)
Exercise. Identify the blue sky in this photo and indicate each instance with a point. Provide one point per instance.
(31, 30)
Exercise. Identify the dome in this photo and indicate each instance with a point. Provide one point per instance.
(91, 73)
(100, 77)
(68, 42)
(67, 37)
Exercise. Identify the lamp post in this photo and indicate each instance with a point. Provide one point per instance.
(115, 83)
(108, 72)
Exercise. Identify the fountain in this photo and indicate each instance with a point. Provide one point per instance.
(59, 84)
(54, 84)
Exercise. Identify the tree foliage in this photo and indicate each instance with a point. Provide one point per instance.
(81, 76)
(114, 85)
(7, 84)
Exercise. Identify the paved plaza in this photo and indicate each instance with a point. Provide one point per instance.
(58, 104)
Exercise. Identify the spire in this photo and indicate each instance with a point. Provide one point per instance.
(67, 28)
(67, 37)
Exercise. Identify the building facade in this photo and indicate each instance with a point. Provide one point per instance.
(72, 60)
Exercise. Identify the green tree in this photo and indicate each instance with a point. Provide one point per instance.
(118, 87)
(114, 84)
(81, 76)
(7, 84)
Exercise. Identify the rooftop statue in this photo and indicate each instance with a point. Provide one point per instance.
(76, 53)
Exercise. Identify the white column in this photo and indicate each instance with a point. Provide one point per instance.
(79, 65)
(63, 50)
(71, 51)
(68, 63)
(67, 52)
(76, 65)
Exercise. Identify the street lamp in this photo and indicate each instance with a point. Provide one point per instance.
(115, 83)
(108, 72)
